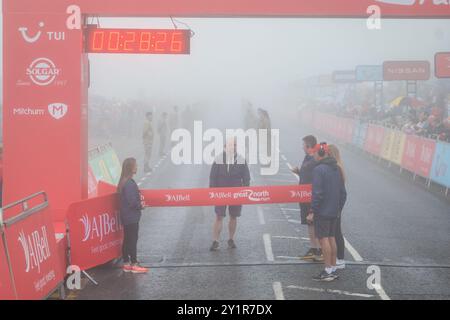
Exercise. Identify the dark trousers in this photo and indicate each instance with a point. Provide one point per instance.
(340, 243)
(130, 239)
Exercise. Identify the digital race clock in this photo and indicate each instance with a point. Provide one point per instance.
(143, 41)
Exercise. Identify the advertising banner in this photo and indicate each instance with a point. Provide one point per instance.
(95, 231)
(397, 147)
(219, 8)
(34, 258)
(387, 144)
(440, 171)
(6, 285)
(406, 70)
(374, 139)
(442, 65)
(418, 155)
(227, 196)
(369, 73)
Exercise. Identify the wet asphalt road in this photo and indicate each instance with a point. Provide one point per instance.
(388, 221)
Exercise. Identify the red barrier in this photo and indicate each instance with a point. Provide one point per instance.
(418, 155)
(95, 231)
(6, 286)
(374, 139)
(227, 196)
(34, 259)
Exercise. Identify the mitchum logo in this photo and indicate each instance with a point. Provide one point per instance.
(35, 248)
(99, 226)
(43, 71)
(58, 110)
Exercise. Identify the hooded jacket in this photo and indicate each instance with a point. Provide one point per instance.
(328, 189)
(236, 174)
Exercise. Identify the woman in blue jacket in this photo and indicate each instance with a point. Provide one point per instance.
(130, 215)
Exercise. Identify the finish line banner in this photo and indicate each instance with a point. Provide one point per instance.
(227, 196)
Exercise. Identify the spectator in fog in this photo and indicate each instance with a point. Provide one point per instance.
(148, 137)
(328, 200)
(264, 124)
(174, 121)
(130, 215)
(229, 170)
(340, 242)
(162, 132)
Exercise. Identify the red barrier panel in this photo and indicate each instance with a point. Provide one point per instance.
(418, 155)
(95, 231)
(34, 258)
(227, 196)
(374, 139)
(6, 287)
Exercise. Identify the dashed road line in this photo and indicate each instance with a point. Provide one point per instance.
(262, 221)
(268, 247)
(278, 291)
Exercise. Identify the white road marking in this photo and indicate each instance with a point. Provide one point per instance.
(339, 292)
(356, 256)
(289, 209)
(294, 221)
(293, 238)
(278, 291)
(288, 258)
(291, 168)
(268, 247)
(262, 221)
(283, 157)
(379, 289)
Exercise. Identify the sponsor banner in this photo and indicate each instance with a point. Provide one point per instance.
(344, 76)
(113, 165)
(196, 8)
(440, 171)
(34, 258)
(397, 147)
(386, 147)
(227, 196)
(442, 65)
(95, 230)
(105, 188)
(406, 70)
(418, 155)
(92, 184)
(369, 73)
(6, 285)
(374, 139)
(101, 172)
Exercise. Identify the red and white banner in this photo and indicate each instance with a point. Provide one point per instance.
(406, 70)
(202, 8)
(34, 258)
(95, 231)
(442, 65)
(6, 286)
(227, 196)
(418, 155)
(374, 139)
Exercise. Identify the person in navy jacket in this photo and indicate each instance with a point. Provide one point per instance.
(328, 199)
(130, 214)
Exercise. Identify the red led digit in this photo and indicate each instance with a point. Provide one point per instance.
(159, 42)
(97, 41)
(129, 40)
(144, 43)
(114, 47)
(177, 42)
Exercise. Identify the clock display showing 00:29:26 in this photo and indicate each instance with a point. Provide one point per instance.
(155, 41)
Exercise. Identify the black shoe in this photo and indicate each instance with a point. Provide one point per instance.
(335, 275)
(309, 255)
(231, 244)
(214, 246)
(324, 276)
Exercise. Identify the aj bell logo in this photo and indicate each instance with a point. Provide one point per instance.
(35, 248)
(99, 226)
(52, 35)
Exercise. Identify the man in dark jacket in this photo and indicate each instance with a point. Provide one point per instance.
(305, 177)
(229, 170)
(328, 200)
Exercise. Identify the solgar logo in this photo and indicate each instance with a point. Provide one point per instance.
(99, 226)
(35, 248)
(42, 72)
(177, 197)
